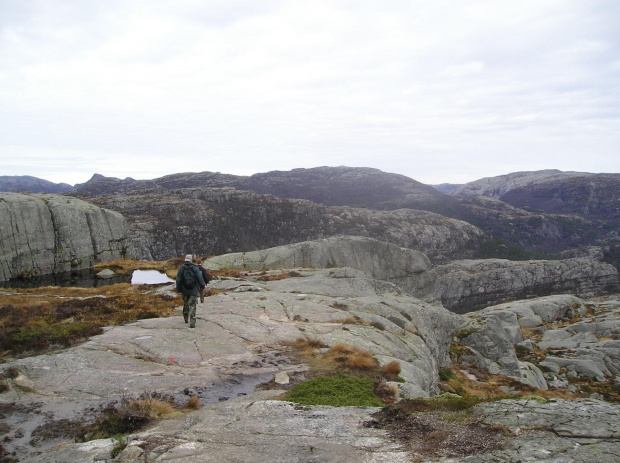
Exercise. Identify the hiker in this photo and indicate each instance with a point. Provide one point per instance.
(189, 283)
(205, 276)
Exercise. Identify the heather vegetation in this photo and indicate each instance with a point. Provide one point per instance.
(35, 320)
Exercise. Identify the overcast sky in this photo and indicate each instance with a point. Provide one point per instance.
(438, 90)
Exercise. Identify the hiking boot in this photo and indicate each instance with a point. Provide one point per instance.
(192, 326)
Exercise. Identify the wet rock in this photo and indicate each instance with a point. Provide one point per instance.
(107, 273)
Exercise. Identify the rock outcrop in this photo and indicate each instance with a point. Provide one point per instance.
(43, 234)
(583, 431)
(564, 336)
(467, 285)
(411, 270)
(208, 221)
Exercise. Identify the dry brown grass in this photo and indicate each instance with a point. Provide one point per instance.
(355, 320)
(489, 387)
(154, 408)
(226, 272)
(392, 368)
(351, 356)
(193, 403)
(34, 320)
(275, 277)
(124, 266)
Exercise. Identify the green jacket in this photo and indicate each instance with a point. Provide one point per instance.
(198, 284)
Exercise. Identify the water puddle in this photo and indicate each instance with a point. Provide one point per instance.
(80, 279)
(149, 277)
(226, 389)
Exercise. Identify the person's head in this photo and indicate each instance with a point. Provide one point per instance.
(199, 262)
(188, 258)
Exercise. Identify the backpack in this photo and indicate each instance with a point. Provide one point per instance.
(188, 279)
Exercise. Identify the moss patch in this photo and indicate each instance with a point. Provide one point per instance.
(337, 391)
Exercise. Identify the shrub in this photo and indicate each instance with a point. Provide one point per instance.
(337, 391)
(446, 374)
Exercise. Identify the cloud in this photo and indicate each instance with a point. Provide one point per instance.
(440, 91)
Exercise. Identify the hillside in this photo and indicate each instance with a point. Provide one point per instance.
(528, 213)
(170, 223)
(593, 196)
(26, 183)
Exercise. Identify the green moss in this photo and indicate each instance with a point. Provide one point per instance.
(337, 391)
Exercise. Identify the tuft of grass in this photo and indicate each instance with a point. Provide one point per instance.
(392, 368)
(351, 356)
(446, 374)
(120, 443)
(153, 407)
(337, 391)
(193, 403)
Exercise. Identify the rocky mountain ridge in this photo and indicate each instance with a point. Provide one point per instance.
(170, 223)
(582, 216)
(29, 184)
(594, 196)
(544, 212)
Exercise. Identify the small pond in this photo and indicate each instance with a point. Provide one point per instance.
(87, 279)
(149, 277)
(80, 279)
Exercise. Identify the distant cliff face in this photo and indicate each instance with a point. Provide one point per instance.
(43, 234)
(594, 196)
(468, 285)
(171, 223)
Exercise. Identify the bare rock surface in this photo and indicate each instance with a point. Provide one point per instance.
(253, 429)
(585, 431)
(409, 269)
(43, 234)
(467, 285)
(241, 337)
(240, 340)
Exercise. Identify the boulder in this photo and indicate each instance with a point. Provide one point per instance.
(44, 234)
